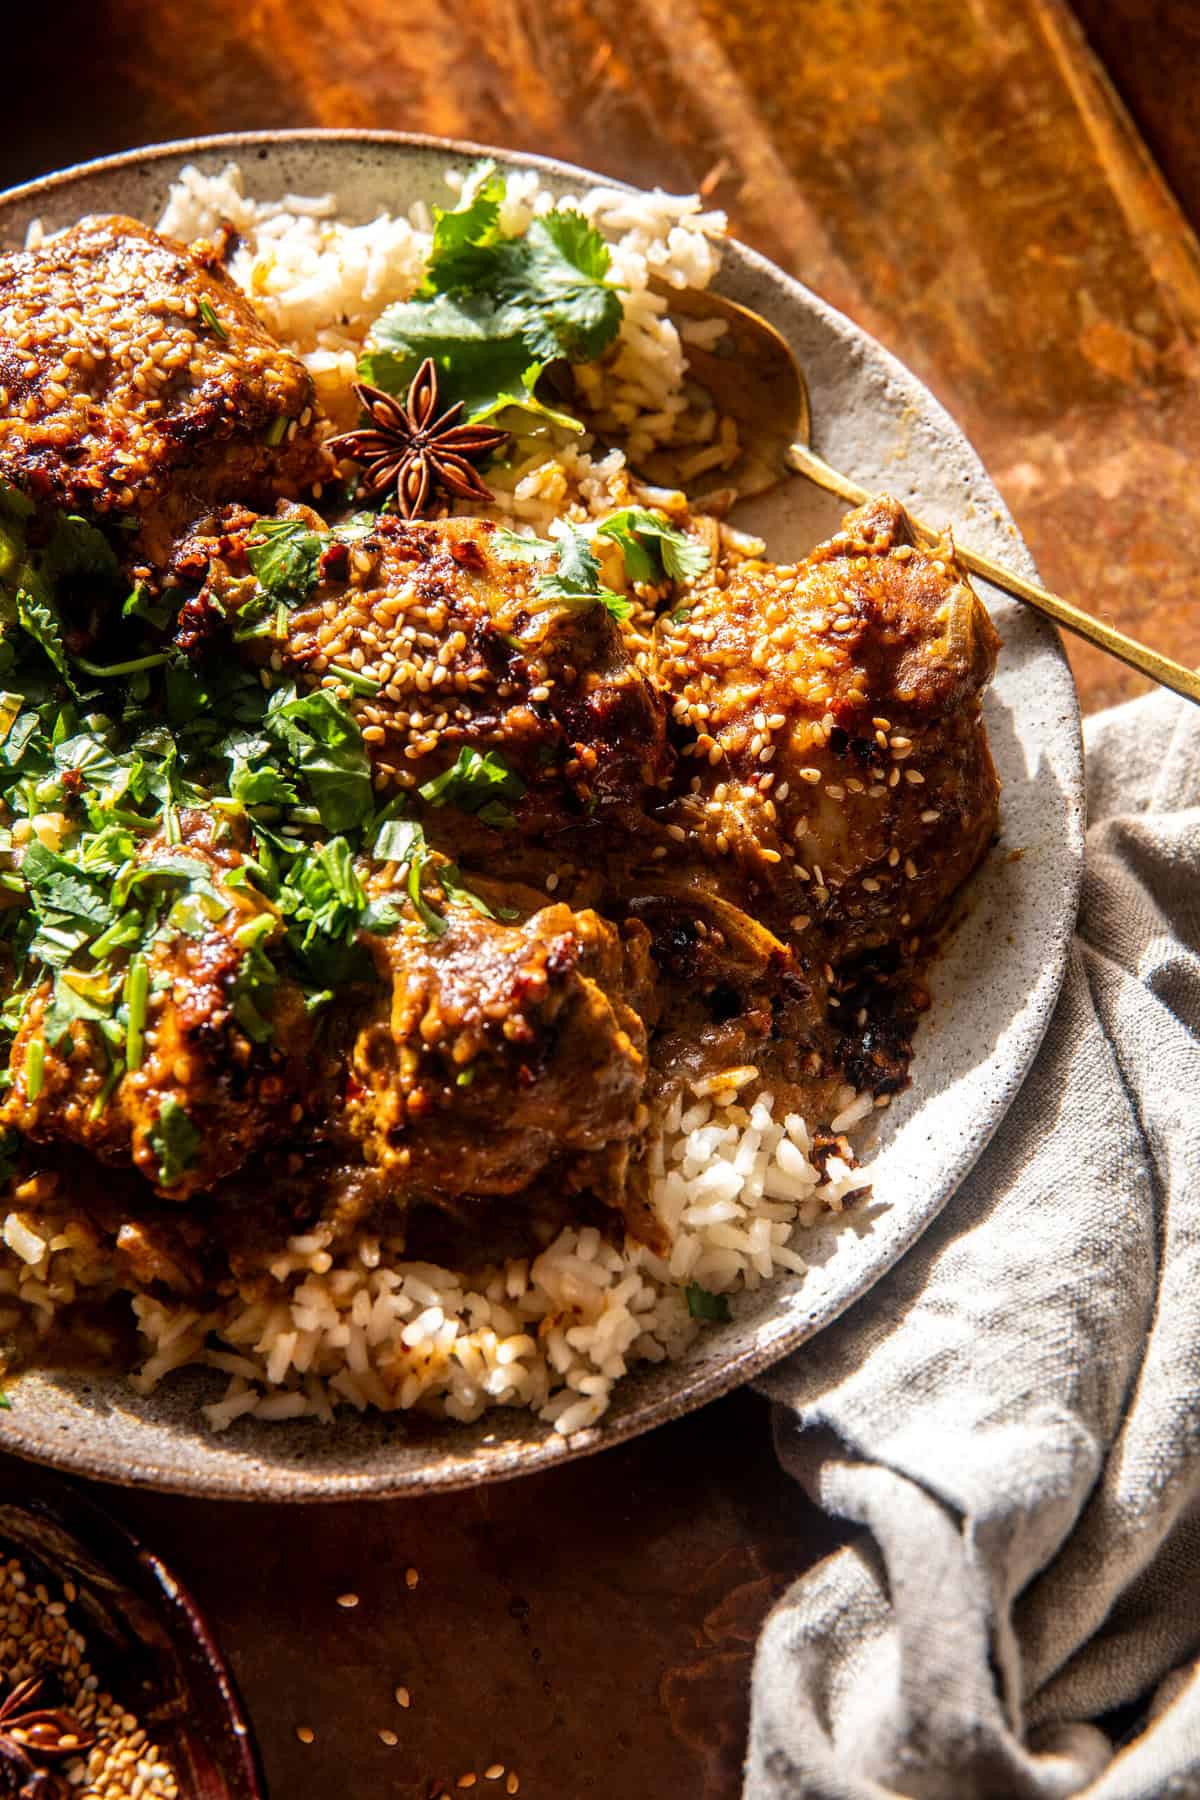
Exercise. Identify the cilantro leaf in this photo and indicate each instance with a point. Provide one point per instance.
(478, 356)
(326, 747)
(476, 784)
(40, 620)
(255, 780)
(576, 580)
(702, 1304)
(455, 888)
(493, 310)
(474, 221)
(652, 546)
(519, 547)
(394, 840)
(285, 557)
(555, 286)
(403, 841)
(174, 1140)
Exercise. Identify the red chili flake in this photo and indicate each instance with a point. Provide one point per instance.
(468, 555)
(335, 562)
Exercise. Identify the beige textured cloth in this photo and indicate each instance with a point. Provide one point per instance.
(1013, 1415)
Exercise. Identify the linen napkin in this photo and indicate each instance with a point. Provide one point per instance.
(1013, 1415)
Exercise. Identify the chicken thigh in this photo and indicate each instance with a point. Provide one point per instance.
(138, 389)
(835, 762)
(213, 1081)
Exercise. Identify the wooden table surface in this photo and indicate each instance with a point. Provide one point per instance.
(961, 179)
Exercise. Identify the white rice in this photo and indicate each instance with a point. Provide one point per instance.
(319, 284)
(731, 1184)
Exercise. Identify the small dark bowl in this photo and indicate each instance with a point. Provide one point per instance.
(146, 1637)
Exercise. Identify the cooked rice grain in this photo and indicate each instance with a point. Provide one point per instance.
(554, 1333)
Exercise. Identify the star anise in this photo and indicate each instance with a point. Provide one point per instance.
(408, 442)
(32, 1736)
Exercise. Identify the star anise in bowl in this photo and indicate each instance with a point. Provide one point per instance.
(408, 442)
(33, 1737)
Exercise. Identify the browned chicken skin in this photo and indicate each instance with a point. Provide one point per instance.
(237, 1094)
(466, 654)
(138, 388)
(500, 1050)
(837, 757)
(722, 825)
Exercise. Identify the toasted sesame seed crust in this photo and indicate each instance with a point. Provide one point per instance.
(833, 743)
(462, 651)
(138, 388)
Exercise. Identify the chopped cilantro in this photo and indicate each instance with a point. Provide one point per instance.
(174, 1140)
(40, 620)
(137, 991)
(476, 784)
(455, 888)
(702, 1304)
(326, 746)
(358, 684)
(653, 547)
(519, 547)
(285, 557)
(576, 580)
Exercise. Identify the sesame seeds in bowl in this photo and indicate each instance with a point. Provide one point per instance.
(101, 1642)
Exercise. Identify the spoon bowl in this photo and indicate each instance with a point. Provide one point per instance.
(755, 379)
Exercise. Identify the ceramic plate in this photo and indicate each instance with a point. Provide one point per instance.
(994, 985)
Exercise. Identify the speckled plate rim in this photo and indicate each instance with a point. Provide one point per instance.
(876, 419)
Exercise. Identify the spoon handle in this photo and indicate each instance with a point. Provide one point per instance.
(1162, 669)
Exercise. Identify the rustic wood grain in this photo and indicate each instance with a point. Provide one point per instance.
(962, 180)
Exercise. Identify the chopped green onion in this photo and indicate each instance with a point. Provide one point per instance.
(137, 991)
(275, 431)
(208, 314)
(105, 671)
(35, 1063)
(358, 684)
(104, 1096)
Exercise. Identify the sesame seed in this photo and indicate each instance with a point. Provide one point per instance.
(403, 1697)
(388, 1737)
(513, 1783)
(347, 1600)
(411, 1578)
(494, 1772)
(801, 922)
(812, 776)
(306, 1734)
(468, 1780)
(915, 777)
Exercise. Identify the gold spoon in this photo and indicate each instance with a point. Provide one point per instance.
(755, 379)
